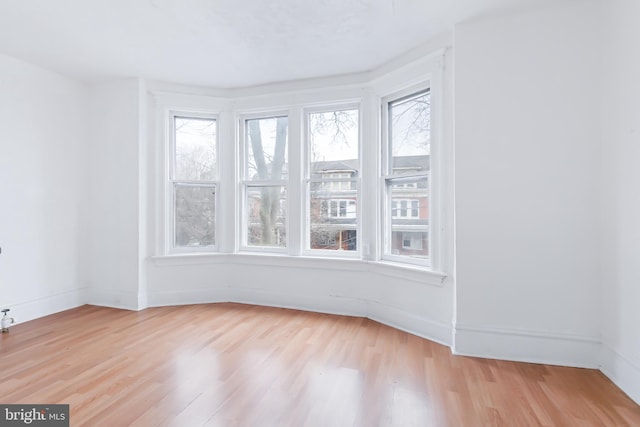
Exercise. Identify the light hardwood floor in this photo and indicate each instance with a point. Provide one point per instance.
(241, 365)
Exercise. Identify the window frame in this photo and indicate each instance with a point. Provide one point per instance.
(171, 182)
(309, 181)
(244, 182)
(388, 178)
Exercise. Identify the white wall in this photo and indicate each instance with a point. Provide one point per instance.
(114, 194)
(621, 196)
(43, 120)
(352, 288)
(527, 184)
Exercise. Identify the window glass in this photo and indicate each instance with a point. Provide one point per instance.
(409, 134)
(195, 149)
(267, 149)
(195, 215)
(267, 214)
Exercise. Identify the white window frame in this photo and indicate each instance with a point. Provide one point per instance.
(171, 181)
(388, 178)
(309, 180)
(245, 182)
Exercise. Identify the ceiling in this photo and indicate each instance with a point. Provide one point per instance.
(223, 43)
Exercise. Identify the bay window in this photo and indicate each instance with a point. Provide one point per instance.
(358, 175)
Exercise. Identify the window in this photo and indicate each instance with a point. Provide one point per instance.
(406, 173)
(265, 180)
(193, 180)
(402, 208)
(332, 172)
(413, 241)
(341, 209)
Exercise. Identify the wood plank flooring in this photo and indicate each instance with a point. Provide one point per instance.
(241, 365)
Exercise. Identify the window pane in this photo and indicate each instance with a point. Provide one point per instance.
(409, 218)
(409, 133)
(196, 157)
(333, 144)
(195, 215)
(267, 216)
(332, 217)
(267, 149)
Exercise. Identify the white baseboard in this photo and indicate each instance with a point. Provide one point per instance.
(115, 299)
(48, 304)
(330, 304)
(320, 304)
(411, 323)
(527, 346)
(623, 372)
(186, 297)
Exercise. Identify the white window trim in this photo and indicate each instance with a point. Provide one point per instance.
(170, 181)
(308, 181)
(244, 182)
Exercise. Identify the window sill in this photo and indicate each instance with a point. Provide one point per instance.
(410, 272)
(386, 268)
(191, 259)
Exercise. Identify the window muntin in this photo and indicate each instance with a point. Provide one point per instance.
(407, 178)
(194, 181)
(265, 182)
(333, 173)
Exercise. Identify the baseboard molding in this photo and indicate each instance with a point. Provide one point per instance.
(527, 346)
(623, 372)
(48, 304)
(114, 299)
(187, 297)
(319, 304)
(411, 323)
(330, 304)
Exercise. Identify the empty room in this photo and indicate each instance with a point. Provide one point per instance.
(320, 213)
